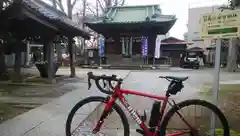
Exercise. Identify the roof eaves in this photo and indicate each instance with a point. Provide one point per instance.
(134, 6)
(51, 13)
(128, 22)
(164, 18)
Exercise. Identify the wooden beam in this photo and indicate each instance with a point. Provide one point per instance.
(17, 66)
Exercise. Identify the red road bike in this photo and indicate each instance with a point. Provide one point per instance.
(160, 117)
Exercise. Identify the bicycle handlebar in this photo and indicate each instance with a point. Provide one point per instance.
(104, 78)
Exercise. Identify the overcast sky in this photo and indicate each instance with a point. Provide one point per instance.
(170, 7)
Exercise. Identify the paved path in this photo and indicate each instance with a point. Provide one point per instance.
(26, 100)
(49, 119)
(148, 82)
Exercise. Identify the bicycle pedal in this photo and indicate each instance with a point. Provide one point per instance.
(140, 131)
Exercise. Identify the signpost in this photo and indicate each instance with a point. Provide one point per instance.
(219, 25)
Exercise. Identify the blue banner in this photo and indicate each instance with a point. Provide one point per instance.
(144, 47)
(101, 46)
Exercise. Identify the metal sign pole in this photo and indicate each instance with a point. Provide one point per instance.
(215, 85)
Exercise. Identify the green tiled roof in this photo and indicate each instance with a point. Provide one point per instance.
(134, 14)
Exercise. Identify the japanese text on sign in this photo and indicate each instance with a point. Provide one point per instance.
(220, 24)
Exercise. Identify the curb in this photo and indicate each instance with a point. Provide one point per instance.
(44, 116)
(128, 68)
(26, 84)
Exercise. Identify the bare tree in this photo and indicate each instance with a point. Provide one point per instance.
(70, 5)
(58, 4)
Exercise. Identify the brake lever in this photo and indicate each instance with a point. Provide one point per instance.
(89, 83)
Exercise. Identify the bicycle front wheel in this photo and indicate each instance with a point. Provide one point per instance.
(86, 113)
(173, 123)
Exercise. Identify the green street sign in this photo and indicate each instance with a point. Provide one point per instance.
(220, 24)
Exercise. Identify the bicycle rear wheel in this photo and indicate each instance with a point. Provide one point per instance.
(90, 120)
(176, 109)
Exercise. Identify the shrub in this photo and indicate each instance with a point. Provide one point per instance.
(219, 132)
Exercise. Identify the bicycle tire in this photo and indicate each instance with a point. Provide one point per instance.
(203, 103)
(115, 106)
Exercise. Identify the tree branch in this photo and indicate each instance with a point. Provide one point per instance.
(89, 8)
(101, 6)
(59, 3)
(74, 3)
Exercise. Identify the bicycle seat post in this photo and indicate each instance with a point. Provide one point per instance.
(167, 94)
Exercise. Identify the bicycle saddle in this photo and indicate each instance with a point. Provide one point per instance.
(174, 78)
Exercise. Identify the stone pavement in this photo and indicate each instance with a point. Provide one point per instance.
(148, 82)
(27, 100)
(50, 119)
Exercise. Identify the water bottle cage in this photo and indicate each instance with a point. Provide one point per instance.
(175, 87)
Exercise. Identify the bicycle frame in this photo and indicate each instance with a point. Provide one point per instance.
(119, 94)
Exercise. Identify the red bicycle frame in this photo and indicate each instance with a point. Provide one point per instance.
(119, 94)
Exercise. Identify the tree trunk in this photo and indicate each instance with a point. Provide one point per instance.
(69, 9)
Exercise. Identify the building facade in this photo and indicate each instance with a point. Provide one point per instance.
(193, 26)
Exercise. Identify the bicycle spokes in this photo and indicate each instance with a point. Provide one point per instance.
(190, 121)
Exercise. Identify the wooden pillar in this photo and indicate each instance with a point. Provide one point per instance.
(58, 51)
(130, 46)
(151, 43)
(58, 48)
(151, 46)
(50, 65)
(71, 56)
(45, 51)
(17, 65)
(27, 59)
(18, 48)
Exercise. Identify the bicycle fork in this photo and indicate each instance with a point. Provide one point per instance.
(106, 111)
